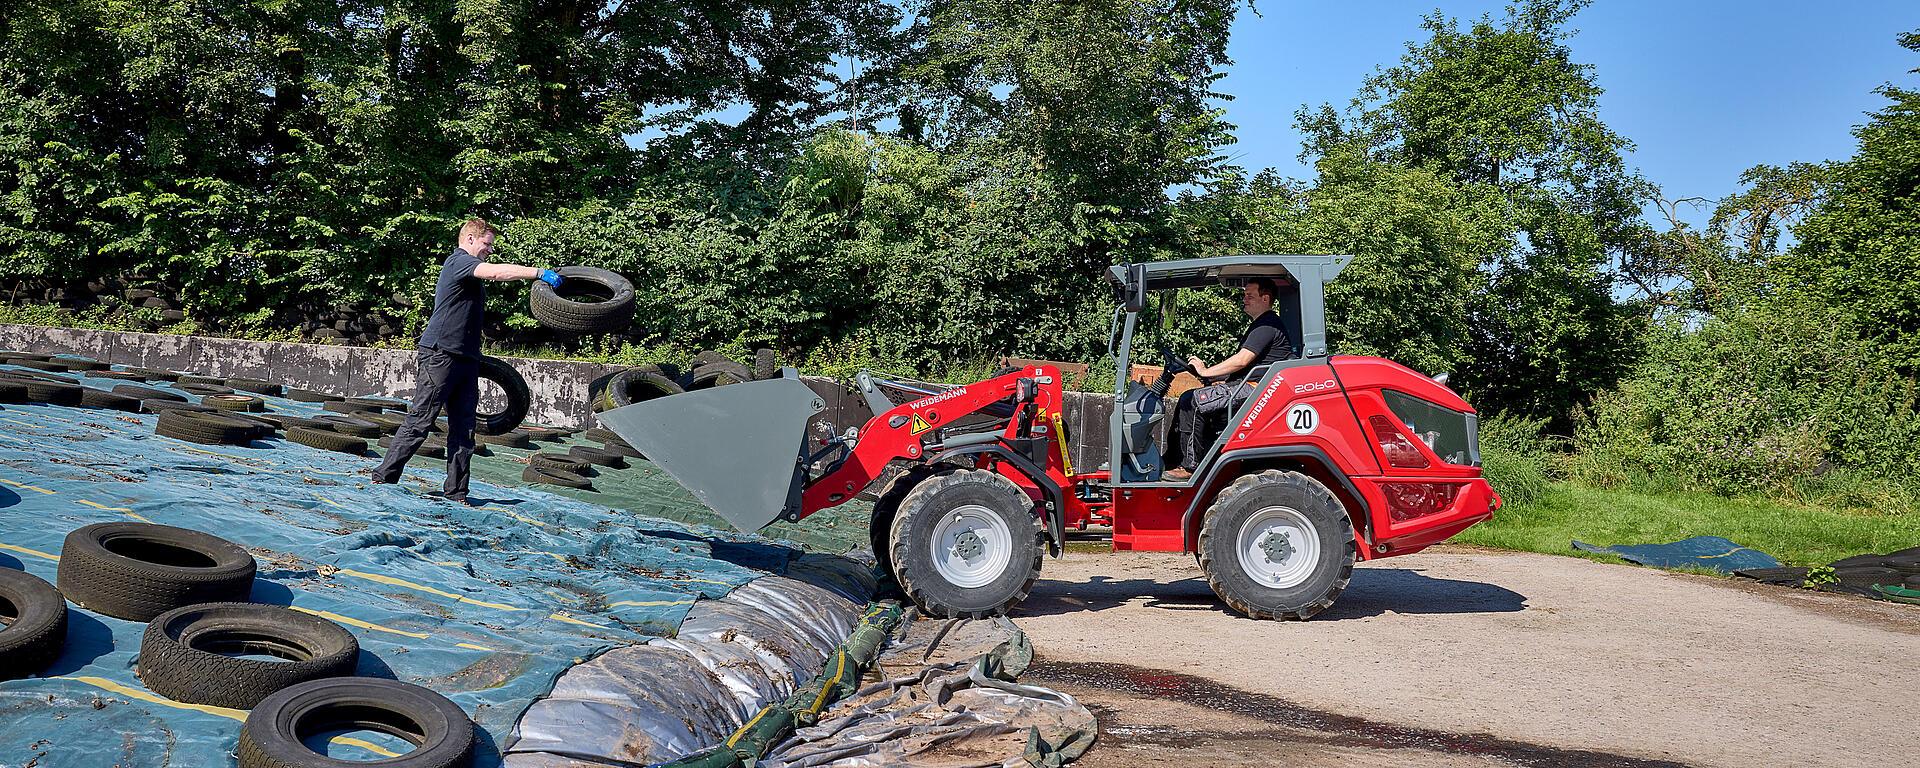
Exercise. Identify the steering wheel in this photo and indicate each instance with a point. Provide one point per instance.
(1173, 364)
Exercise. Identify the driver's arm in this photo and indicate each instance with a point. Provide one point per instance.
(1235, 364)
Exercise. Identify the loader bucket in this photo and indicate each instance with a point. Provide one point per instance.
(740, 449)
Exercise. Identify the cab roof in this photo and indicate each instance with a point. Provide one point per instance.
(1233, 270)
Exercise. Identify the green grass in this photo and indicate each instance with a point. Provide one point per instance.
(1796, 534)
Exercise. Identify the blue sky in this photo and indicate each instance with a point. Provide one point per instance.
(1704, 89)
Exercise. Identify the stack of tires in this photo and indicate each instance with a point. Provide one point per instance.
(193, 590)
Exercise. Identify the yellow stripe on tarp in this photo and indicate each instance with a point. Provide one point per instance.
(98, 505)
(17, 484)
(151, 698)
(471, 646)
(25, 551)
(21, 423)
(236, 714)
(353, 622)
(648, 603)
(328, 502)
(516, 516)
(572, 620)
(379, 579)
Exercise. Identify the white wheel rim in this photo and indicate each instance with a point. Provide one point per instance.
(971, 546)
(1278, 547)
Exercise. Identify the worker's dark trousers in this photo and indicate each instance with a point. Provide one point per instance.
(446, 381)
(1193, 431)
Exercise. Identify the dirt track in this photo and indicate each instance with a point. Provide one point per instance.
(1463, 657)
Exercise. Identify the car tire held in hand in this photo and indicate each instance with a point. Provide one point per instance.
(589, 300)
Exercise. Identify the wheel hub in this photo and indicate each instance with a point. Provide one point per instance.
(968, 545)
(972, 546)
(1279, 547)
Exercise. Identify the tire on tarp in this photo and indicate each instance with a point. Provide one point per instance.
(513, 439)
(608, 304)
(235, 402)
(136, 571)
(256, 386)
(95, 398)
(13, 392)
(562, 478)
(184, 653)
(156, 405)
(327, 440)
(271, 736)
(139, 392)
(209, 427)
(350, 425)
(38, 629)
(637, 384)
(53, 392)
(311, 396)
(519, 397)
(598, 457)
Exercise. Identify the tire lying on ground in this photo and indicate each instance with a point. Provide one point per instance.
(208, 427)
(13, 392)
(589, 300)
(327, 440)
(79, 363)
(148, 393)
(95, 398)
(350, 425)
(388, 422)
(156, 405)
(311, 396)
(256, 386)
(598, 456)
(519, 397)
(560, 477)
(430, 448)
(121, 375)
(708, 357)
(560, 461)
(43, 365)
(634, 385)
(621, 447)
(156, 374)
(285, 422)
(191, 653)
(965, 544)
(342, 406)
(603, 435)
(16, 354)
(514, 439)
(378, 403)
(718, 375)
(136, 571)
(235, 402)
(1277, 545)
(547, 434)
(274, 733)
(53, 392)
(198, 380)
(37, 626)
(206, 389)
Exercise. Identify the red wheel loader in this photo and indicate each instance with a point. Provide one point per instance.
(1329, 460)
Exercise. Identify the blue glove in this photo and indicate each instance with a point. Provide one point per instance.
(551, 277)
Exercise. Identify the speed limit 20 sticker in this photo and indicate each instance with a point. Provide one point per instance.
(1302, 419)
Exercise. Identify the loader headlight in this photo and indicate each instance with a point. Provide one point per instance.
(1450, 434)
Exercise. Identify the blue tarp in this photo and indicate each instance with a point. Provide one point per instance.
(486, 605)
(1710, 552)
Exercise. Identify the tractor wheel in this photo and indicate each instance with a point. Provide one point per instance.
(965, 544)
(1277, 545)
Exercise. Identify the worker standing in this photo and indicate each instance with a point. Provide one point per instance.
(449, 356)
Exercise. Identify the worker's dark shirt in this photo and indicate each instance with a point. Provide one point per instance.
(1268, 340)
(459, 306)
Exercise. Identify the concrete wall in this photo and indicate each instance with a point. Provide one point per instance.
(559, 387)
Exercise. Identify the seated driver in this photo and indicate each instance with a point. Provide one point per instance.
(1266, 341)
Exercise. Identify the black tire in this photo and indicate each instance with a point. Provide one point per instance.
(603, 435)
(328, 440)
(235, 402)
(311, 396)
(41, 365)
(765, 365)
(885, 507)
(718, 374)
(121, 375)
(350, 425)
(514, 439)
(212, 428)
(37, 624)
(342, 406)
(634, 385)
(1912, 582)
(707, 357)
(432, 449)
(621, 447)
(204, 390)
(285, 422)
(543, 434)
(598, 457)
(1296, 500)
(440, 731)
(148, 393)
(562, 462)
(388, 423)
(378, 403)
(183, 655)
(13, 392)
(988, 498)
(533, 474)
(203, 381)
(14, 354)
(156, 405)
(589, 300)
(43, 376)
(156, 374)
(519, 397)
(95, 398)
(136, 571)
(54, 392)
(256, 386)
(80, 363)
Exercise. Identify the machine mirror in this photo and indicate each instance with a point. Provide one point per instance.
(1134, 293)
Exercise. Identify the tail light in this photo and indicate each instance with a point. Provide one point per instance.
(1398, 449)
(1406, 501)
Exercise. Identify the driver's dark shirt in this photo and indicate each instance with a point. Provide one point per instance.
(1268, 340)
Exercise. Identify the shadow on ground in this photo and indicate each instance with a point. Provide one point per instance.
(1373, 591)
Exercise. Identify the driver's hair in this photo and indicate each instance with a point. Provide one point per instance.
(1265, 286)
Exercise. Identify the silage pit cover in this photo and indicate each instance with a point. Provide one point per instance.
(486, 605)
